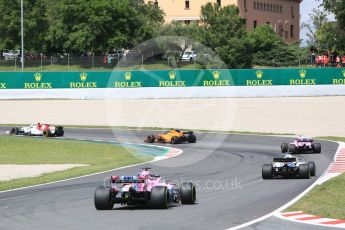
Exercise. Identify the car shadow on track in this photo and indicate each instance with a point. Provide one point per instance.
(145, 207)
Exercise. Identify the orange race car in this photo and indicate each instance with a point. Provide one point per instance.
(173, 136)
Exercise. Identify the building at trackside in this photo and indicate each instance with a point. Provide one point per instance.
(282, 15)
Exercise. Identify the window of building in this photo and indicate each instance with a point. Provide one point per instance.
(280, 9)
(264, 6)
(245, 4)
(291, 31)
(261, 6)
(292, 12)
(255, 23)
(271, 7)
(219, 2)
(156, 3)
(186, 4)
(274, 8)
(187, 22)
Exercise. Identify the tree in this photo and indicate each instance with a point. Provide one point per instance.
(224, 32)
(317, 19)
(338, 8)
(331, 37)
(178, 37)
(150, 18)
(102, 25)
(92, 25)
(269, 49)
(35, 24)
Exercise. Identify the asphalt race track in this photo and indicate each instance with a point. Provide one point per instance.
(226, 169)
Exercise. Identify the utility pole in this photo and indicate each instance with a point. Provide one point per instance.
(22, 31)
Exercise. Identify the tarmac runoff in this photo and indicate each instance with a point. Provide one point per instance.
(15, 171)
(314, 116)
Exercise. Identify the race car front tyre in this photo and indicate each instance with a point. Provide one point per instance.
(59, 133)
(267, 171)
(284, 147)
(188, 193)
(303, 171)
(47, 133)
(316, 147)
(102, 198)
(191, 138)
(14, 131)
(312, 168)
(150, 139)
(292, 148)
(159, 197)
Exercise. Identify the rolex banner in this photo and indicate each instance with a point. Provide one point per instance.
(172, 78)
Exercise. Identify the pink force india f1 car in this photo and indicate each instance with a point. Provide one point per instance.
(301, 144)
(39, 130)
(143, 189)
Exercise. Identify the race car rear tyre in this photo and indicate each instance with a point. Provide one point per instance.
(191, 138)
(292, 148)
(188, 193)
(174, 140)
(267, 171)
(102, 198)
(303, 171)
(150, 139)
(14, 131)
(316, 147)
(284, 147)
(159, 197)
(47, 133)
(312, 168)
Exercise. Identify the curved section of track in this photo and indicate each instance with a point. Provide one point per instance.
(230, 188)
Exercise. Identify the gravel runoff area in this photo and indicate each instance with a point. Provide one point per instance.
(15, 171)
(315, 116)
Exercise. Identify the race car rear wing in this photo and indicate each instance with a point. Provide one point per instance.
(284, 159)
(126, 179)
(188, 132)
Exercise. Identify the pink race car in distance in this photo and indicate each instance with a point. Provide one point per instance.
(39, 130)
(301, 144)
(144, 189)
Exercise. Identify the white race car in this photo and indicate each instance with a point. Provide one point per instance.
(289, 166)
(39, 130)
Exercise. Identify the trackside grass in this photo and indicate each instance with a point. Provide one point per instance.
(27, 150)
(326, 200)
(332, 138)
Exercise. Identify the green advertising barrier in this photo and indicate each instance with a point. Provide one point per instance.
(172, 78)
